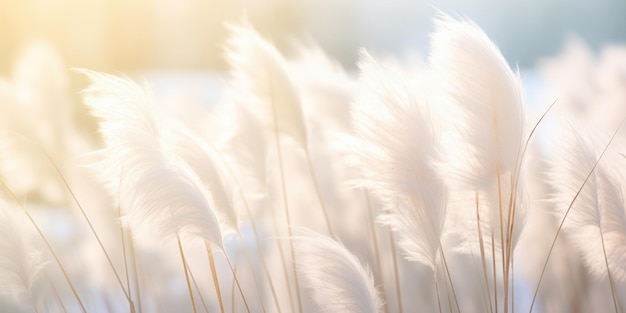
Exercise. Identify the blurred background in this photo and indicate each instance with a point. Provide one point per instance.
(176, 45)
(131, 36)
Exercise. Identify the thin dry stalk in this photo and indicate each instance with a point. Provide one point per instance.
(57, 296)
(216, 282)
(392, 242)
(261, 254)
(482, 251)
(286, 203)
(447, 272)
(256, 281)
(282, 258)
(119, 216)
(437, 292)
(47, 243)
(130, 295)
(512, 284)
(513, 198)
(606, 261)
(184, 260)
(84, 214)
(483, 296)
(445, 283)
(233, 303)
(254, 231)
(133, 257)
(502, 241)
(195, 285)
(378, 265)
(319, 194)
(243, 297)
(569, 208)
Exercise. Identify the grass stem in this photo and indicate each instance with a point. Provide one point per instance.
(216, 282)
(184, 260)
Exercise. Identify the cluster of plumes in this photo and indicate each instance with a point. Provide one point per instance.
(306, 189)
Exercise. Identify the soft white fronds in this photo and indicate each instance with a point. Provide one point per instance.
(395, 150)
(484, 108)
(245, 145)
(573, 159)
(485, 99)
(336, 279)
(463, 219)
(205, 162)
(613, 224)
(41, 82)
(155, 187)
(20, 264)
(327, 90)
(262, 81)
(599, 208)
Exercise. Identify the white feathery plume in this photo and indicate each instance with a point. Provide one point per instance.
(395, 150)
(336, 279)
(245, 144)
(36, 108)
(327, 90)
(485, 96)
(20, 264)
(483, 102)
(205, 163)
(573, 158)
(41, 83)
(599, 208)
(156, 188)
(613, 224)
(262, 80)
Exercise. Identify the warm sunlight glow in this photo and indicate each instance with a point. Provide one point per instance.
(312, 156)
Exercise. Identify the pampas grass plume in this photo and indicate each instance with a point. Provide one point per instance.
(154, 185)
(337, 280)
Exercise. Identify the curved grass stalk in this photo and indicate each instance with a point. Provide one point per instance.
(184, 260)
(392, 242)
(260, 251)
(319, 193)
(569, 208)
(256, 281)
(253, 226)
(232, 270)
(47, 243)
(133, 256)
(132, 306)
(445, 283)
(437, 292)
(482, 251)
(372, 225)
(284, 192)
(195, 285)
(232, 292)
(216, 282)
(84, 214)
(513, 198)
(449, 278)
(611, 283)
(122, 236)
(57, 296)
(282, 258)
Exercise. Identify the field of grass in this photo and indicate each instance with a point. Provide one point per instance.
(427, 186)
